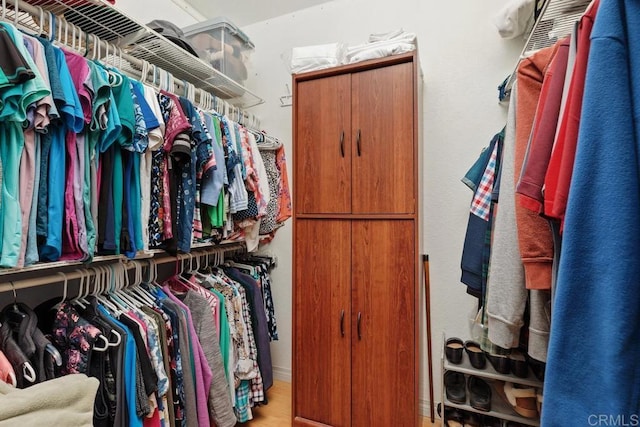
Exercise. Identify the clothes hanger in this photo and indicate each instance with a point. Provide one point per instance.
(124, 284)
(64, 291)
(150, 279)
(184, 270)
(132, 291)
(78, 298)
(102, 299)
(41, 21)
(13, 315)
(84, 291)
(16, 11)
(113, 287)
(98, 290)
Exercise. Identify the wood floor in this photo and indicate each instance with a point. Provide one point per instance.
(278, 412)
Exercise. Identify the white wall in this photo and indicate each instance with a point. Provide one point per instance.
(463, 60)
(145, 11)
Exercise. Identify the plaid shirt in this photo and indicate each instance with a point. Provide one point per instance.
(481, 204)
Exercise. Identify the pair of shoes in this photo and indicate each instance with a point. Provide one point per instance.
(525, 400)
(479, 390)
(453, 351)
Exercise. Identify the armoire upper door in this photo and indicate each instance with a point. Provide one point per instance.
(322, 335)
(322, 145)
(383, 140)
(383, 314)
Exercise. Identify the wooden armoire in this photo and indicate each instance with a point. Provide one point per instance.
(356, 269)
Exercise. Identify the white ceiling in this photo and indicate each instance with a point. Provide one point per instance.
(246, 12)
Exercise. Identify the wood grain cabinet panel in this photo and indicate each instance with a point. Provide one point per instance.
(355, 245)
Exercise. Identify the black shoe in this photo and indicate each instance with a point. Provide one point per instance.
(488, 421)
(476, 355)
(500, 363)
(537, 367)
(453, 417)
(472, 420)
(454, 384)
(519, 366)
(480, 394)
(453, 350)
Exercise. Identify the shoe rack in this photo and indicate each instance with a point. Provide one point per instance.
(500, 407)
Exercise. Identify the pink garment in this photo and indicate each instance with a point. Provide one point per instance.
(7, 374)
(70, 232)
(167, 229)
(27, 178)
(203, 376)
(80, 74)
(177, 123)
(45, 105)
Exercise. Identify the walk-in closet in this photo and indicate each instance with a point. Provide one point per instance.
(338, 213)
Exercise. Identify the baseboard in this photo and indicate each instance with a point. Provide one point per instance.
(425, 408)
(282, 374)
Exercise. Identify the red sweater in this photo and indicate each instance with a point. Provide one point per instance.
(544, 132)
(558, 177)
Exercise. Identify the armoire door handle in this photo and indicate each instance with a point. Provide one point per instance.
(358, 142)
(342, 143)
(358, 325)
(342, 322)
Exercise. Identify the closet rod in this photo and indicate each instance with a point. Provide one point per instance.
(9, 286)
(140, 69)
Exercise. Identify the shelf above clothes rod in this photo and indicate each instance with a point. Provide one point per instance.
(99, 18)
(556, 20)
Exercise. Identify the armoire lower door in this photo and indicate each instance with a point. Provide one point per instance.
(322, 337)
(383, 353)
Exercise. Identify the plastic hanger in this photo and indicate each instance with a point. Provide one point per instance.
(12, 314)
(122, 283)
(55, 354)
(141, 292)
(81, 290)
(103, 288)
(131, 290)
(100, 282)
(81, 301)
(64, 291)
(122, 293)
(28, 372)
(114, 287)
(41, 22)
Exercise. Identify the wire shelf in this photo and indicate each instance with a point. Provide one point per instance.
(556, 20)
(101, 19)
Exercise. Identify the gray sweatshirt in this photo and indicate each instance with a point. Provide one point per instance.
(506, 292)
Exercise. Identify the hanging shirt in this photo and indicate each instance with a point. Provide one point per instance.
(14, 69)
(81, 80)
(16, 100)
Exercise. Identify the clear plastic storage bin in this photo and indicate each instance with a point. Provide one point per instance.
(219, 42)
